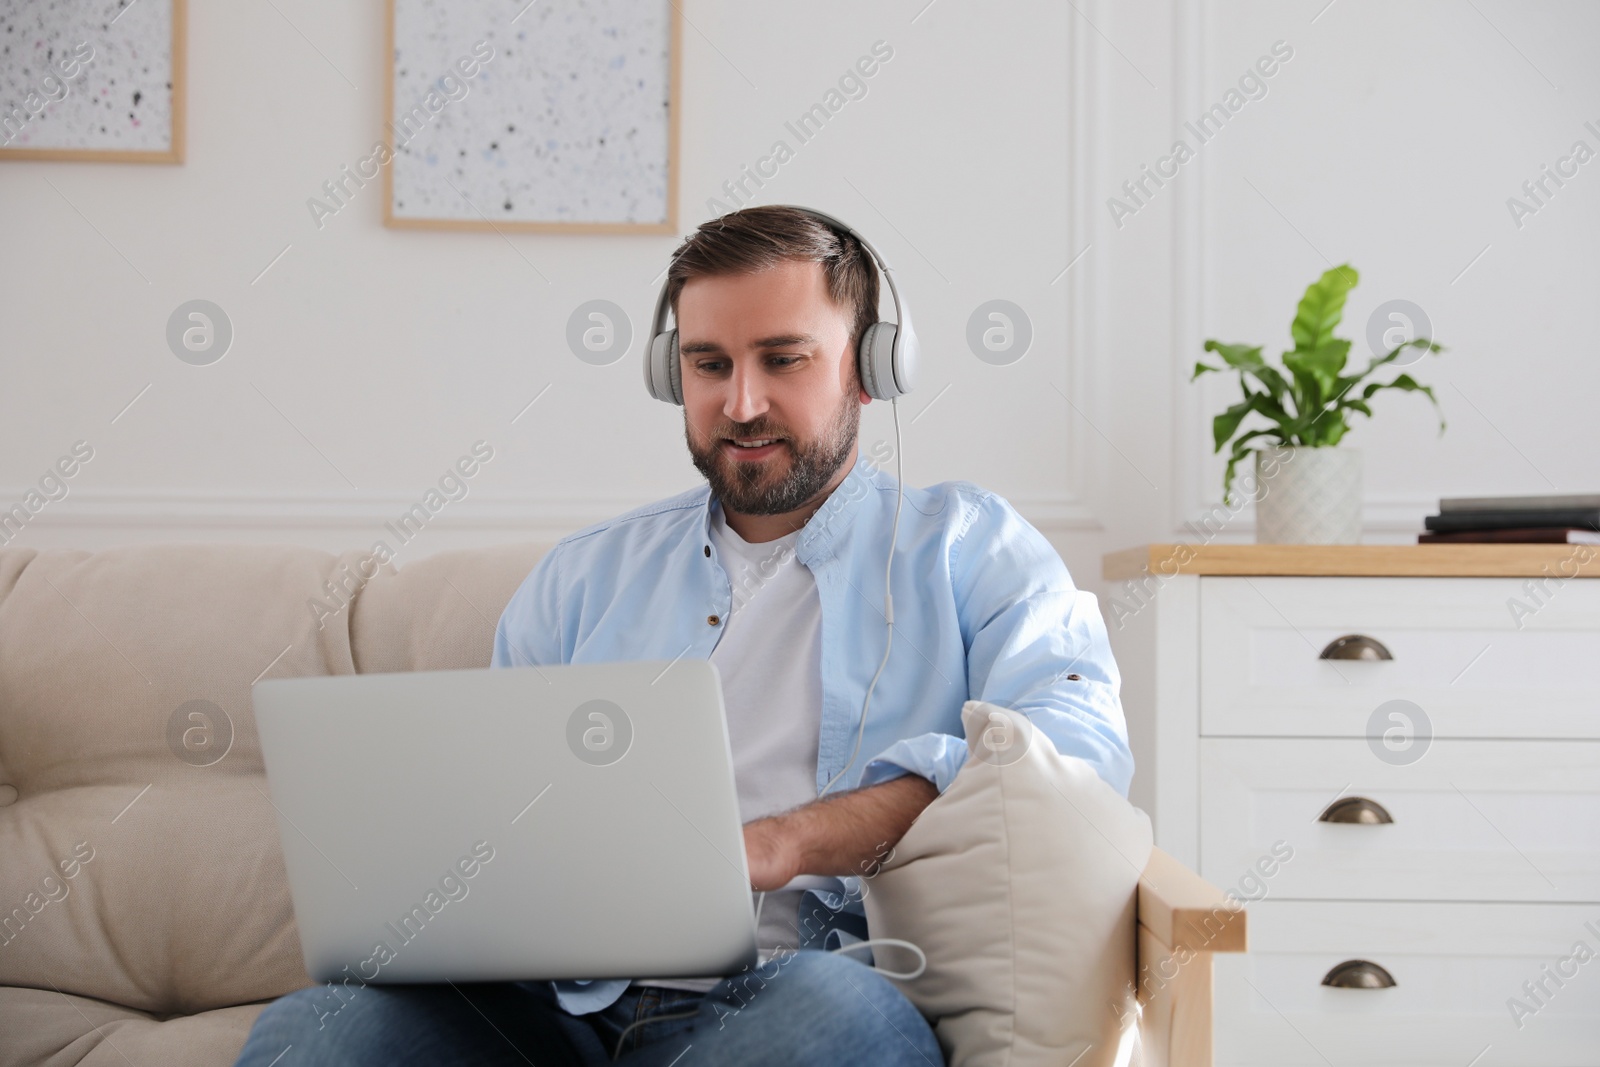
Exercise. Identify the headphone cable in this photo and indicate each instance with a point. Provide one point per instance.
(888, 600)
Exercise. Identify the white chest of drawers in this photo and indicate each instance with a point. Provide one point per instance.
(1440, 795)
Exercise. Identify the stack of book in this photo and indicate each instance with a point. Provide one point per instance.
(1563, 518)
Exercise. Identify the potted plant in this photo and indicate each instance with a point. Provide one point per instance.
(1309, 490)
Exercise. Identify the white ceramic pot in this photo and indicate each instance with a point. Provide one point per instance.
(1308, 496)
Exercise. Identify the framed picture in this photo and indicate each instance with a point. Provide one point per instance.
(93, 83)
(546, 117)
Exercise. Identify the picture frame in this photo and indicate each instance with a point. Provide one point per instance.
(82, 119)
(457, 158)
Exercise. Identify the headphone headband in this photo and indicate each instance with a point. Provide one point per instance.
(886, 352)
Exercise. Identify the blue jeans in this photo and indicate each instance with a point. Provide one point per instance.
(811, 1007)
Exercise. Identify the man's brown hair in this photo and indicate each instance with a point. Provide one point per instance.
(757, 238)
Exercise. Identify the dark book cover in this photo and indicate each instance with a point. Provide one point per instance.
(1559, 535)
(1513, 519)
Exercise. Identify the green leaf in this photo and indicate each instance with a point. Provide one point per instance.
(1201, 368)
(1248, 361)
(1225, 425)
(1410, 385)
(1322, 307)
(1327, 360)
(1238, 446)
(1277, 388)
(1307, 390)
(1326, 431)
(1342, 385)
(1390, 356)
(1227, 476)
(1315, 430)
(1239, 452)
(1238, 357)
(1316, 373)
(1271, 408)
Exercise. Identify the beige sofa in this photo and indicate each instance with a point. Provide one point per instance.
(144, 912)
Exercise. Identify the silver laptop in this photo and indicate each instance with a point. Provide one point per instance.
(510, 823)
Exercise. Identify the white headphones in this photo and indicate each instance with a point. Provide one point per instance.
(886, 356)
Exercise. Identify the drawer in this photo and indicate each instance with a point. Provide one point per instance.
(1456, 969)
(1459, 653)
(1472, 820)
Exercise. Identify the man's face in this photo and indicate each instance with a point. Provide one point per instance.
(767, 357)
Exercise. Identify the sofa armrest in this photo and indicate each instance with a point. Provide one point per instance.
(1183, 919)
(1184, 911)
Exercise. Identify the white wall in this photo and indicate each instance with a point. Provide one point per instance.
(980, 161)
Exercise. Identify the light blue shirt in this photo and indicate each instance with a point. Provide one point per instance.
(984, 610)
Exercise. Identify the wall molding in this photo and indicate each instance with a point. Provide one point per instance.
(1188, 279)
(179, 516)
(1074, 512)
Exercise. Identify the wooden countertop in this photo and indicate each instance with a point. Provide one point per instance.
(1420, 561)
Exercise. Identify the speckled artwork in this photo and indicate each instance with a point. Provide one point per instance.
(81, 76)
(556, 111)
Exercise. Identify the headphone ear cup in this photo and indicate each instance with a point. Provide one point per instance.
(875, 361)
(674, 368)
(661, 368)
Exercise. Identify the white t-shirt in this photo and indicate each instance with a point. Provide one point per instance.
(770, 660)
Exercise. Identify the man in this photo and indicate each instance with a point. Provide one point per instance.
(774, 571)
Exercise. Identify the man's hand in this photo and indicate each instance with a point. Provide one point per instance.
(836, 835)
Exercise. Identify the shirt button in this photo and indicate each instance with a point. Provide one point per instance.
(1074, 677)
(712, 620)
(708, 551)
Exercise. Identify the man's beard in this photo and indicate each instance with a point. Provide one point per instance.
(747, 487)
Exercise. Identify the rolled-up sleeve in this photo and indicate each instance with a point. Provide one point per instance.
(937, 757)
(1035, 643)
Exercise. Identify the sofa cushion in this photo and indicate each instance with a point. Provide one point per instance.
(141, 857)
(439, 612)
(44, 1028)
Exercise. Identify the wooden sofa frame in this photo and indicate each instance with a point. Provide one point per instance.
(1183, 919)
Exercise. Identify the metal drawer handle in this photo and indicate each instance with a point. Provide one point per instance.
(1356, 810)
(1355, 646)
(1358, 974)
